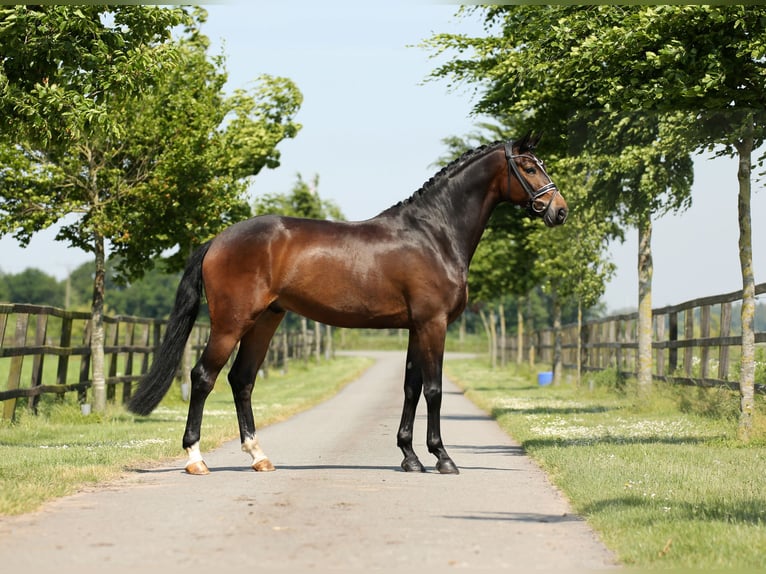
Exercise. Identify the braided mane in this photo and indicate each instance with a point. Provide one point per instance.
(448, 171)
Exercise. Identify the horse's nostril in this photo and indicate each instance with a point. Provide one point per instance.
(561, 216)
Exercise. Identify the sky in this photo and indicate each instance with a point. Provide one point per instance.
(373, 130)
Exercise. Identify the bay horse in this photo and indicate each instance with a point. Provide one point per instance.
(405, 269)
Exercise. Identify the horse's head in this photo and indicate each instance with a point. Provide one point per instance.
(529, 184)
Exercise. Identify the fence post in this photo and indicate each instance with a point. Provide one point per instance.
(41, 332)
(723, 350)
(672, 338)
(115, 342)
(688, 334)
(82, 394)
(14, 377)
(704, 334)
(145, 338)
(130, 337)
(659, 322)
(65, 343)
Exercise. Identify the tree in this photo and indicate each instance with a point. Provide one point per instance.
(34, 287)
(4, 291)
(150, 296)
(117, 123)
(708, 62)
(303, 200)
(531, 64)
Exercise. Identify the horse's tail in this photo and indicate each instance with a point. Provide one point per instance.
(157, 381)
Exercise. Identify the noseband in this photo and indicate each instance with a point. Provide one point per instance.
(534, 195)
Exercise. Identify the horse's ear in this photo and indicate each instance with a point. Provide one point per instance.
(535, 139)
(524, 143)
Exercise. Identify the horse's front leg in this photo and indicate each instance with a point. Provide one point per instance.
(252, 351)
(431, 349)
(413, 383)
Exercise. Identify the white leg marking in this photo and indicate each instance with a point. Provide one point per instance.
(251, 446)
(194, 454)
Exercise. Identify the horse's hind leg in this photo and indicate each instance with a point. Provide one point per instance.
(252, 351)
(203, 377)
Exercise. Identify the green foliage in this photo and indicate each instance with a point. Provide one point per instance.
(302, 201)
(129, 130)
(31, 286)
(535, 65)
(63, 66)
(151, 296)
(610, 378)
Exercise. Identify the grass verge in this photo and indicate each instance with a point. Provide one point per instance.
(61, 451)
(663, 480)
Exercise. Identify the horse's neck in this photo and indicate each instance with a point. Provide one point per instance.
(472, 216)
(458, 211)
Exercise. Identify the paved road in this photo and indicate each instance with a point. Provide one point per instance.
(337, 500)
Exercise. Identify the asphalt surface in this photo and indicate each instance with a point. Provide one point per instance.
(338, 500)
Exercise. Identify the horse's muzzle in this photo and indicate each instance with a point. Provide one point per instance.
(555, 216)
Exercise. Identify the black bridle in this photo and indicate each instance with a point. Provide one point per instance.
(534, 195)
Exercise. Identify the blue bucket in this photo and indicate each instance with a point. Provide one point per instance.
(544, 378)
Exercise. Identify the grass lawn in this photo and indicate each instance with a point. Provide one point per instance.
(664, 480)
(60, 451)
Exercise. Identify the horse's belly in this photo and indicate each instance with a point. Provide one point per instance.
(348, 306)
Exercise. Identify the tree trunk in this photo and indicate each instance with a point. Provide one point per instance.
(747, 369)
(304, 345)
(493, 336)
(519, 332)
(97, 322)
(557, 362)
(488, 323)
(503, 339)
(328, 350)
(645, 270)
(578, 380)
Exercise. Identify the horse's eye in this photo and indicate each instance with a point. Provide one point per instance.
(530, 170)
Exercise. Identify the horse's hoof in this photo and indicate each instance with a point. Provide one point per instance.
(263, 466)
(412, 465)
(198, 468)
(447, 467)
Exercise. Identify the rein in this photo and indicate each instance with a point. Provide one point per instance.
(534, 195)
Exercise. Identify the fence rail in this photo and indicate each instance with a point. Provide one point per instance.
(694, 343)
(58, 344)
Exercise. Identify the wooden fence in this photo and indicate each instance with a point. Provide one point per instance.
(45, 350)
(694, 343)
